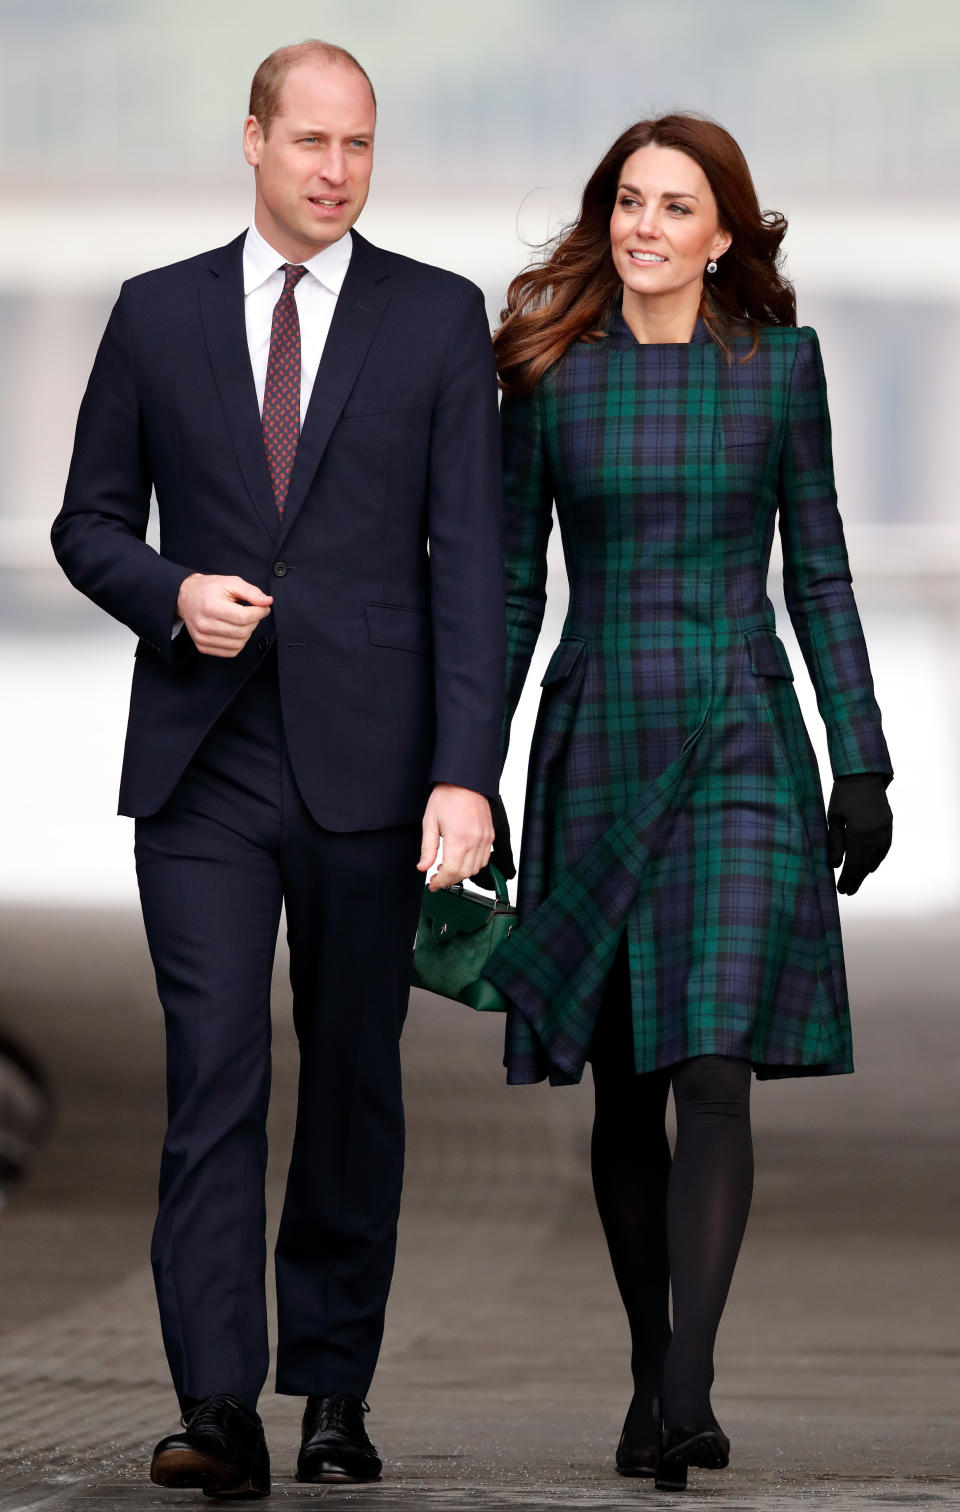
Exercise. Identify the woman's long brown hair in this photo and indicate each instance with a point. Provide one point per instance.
(571, 295)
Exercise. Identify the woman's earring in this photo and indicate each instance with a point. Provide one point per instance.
(711, 266)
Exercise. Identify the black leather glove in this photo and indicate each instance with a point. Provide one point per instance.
(859, 827)
(502, 853)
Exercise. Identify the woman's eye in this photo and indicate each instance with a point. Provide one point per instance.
(681, 209)
(627, 202)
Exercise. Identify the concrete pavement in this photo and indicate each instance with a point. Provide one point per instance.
(504, 1375)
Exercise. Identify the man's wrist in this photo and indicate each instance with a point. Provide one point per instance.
(188, 579)
(440, 782)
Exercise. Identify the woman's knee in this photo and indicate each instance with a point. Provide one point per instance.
(713, 1084)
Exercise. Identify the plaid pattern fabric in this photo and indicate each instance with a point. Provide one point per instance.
(673, 793)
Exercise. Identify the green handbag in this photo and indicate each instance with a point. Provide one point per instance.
(458, 932)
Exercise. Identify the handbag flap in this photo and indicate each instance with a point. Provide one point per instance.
(458, 910)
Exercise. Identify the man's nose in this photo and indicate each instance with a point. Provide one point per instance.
(334, 166)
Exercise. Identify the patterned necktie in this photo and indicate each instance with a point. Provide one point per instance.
(281, 392)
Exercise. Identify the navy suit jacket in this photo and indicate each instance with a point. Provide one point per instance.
(386, 568)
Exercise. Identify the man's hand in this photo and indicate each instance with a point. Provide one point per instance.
(220, 613)
(462, 818)
(502, 855)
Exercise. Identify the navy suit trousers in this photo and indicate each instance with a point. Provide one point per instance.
(233, 844)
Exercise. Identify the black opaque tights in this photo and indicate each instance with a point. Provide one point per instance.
(671, 1226)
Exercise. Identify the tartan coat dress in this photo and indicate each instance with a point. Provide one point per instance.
(673, 794)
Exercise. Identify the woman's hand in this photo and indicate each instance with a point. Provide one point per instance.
(461, 818)
(859, 827)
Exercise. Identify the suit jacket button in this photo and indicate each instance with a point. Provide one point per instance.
(279, 569)
(263, 644)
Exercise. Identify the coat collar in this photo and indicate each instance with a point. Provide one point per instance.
(622, 339)
(363, 298)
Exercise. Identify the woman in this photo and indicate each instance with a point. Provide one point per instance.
(678, 917)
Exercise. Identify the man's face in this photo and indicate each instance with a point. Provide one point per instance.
(313, 170)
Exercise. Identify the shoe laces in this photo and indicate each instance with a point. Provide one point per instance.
(342, 1413)
(209, 1412)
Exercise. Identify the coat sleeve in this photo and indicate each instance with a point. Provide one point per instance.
(465, 524)
(99, 535)
(528, 517)
(816, 575)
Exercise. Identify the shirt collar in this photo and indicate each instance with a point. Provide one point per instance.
(261, 261)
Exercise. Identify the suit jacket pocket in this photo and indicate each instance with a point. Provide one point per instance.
(382, 404)
(399, 627)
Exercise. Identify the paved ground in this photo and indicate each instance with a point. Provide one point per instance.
(504, 1379)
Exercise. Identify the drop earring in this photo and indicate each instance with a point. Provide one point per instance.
(711, 266)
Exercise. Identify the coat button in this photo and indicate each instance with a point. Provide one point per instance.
(279, 569)
(263, 644)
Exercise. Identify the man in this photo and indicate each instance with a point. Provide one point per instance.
(316, 702)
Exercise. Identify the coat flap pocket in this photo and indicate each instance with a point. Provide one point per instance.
(768, 654)
(739, 431)
(563, 660)
(399, 627)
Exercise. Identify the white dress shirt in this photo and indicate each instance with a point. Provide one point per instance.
(316, 297)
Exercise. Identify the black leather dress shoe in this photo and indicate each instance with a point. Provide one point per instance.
(221, 1451)
(334, 1446)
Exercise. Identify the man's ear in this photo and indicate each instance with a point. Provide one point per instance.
(252, 141)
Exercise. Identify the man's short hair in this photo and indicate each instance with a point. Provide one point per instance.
(268, 80)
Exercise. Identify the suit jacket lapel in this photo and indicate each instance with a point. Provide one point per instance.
(361, 303)
(221, 303)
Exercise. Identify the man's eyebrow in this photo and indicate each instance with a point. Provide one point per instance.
(321, 131)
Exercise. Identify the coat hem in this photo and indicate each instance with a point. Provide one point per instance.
(539, 1065)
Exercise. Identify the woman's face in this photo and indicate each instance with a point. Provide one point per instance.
(664, 228)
